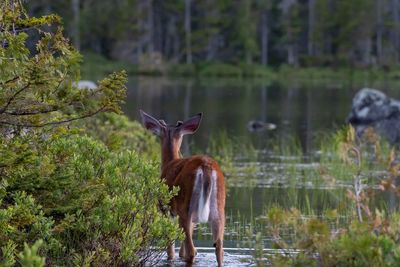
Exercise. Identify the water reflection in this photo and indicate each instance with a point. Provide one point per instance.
(299, 111)
(230, 104)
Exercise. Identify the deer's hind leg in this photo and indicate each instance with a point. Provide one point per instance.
(187, 251)
(217, 228)
(171, 251)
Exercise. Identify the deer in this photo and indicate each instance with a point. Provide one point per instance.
(201, 195)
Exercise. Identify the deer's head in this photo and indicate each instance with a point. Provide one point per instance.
(170, 134)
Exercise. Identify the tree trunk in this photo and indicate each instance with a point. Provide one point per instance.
(212, 47)
(188, 32)
(379, 31)
(395, 30)
(291, 45)
(187, 113)
(140, 23)
(159, 30)
(172, 40)
(292, 55)
(214, 37)
(330, 35)
(150, 27)
(264, 38)
(311, 27)
(76, 24)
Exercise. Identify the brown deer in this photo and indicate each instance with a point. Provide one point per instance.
(201, 196)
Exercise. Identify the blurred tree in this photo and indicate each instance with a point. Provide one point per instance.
(188, 31)
(395, 35)
(290, 23)
(76, 22)
(328, 32)
(37, 87)
(355, 23)
(264, 7)
(246, 30)
(311, 27)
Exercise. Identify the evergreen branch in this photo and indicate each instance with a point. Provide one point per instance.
(10, 80)
(11, 99)
(54, 122)
(27, 113)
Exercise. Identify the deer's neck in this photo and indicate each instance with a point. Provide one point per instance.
(168, 153)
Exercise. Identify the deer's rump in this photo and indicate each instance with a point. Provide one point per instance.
(198, 179)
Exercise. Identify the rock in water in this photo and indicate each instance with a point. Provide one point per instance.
(372, 108)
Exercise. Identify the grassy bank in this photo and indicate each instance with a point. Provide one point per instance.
(96, 66)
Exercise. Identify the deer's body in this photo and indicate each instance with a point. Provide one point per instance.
(201, 196)
(201, 183)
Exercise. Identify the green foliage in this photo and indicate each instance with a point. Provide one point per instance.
(22, 220)
(92, 200)
(358, 33)
(221, 70)
(184, 70)
(226, 150)
(8, 254)
(314, 242)
(246, 31)
(357, 232)
(30, 257)
(95, 66)
(118, 133)
(38, 87)
(76, 194)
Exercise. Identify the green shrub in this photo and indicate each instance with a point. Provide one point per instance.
(30, 257)
(23, 220)
(68, 198)
(95, 66)
(258, 71)
(183, 70)
(220, 70)
(92, 201)
(118, 133)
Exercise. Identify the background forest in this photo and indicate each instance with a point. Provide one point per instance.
(357, 33)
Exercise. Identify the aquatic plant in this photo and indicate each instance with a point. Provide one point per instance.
(364, 233)
(228, 151)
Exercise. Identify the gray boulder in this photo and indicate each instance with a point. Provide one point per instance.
(372, 108)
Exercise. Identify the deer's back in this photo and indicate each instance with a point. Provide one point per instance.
(181, 171)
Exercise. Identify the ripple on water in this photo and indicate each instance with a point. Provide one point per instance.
(206, 258)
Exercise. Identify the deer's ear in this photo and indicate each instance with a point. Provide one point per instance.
(151, 123)
(190, 125)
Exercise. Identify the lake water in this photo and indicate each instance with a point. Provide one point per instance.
(299, 111)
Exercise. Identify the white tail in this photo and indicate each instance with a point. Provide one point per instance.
(200, 202)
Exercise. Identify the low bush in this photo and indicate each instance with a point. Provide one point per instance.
(118, 133)
(71, 193)
(84, 201)
(220, 70)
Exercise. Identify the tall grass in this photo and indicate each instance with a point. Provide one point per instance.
(315, 185)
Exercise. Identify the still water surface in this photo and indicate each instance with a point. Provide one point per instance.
(299, 111)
